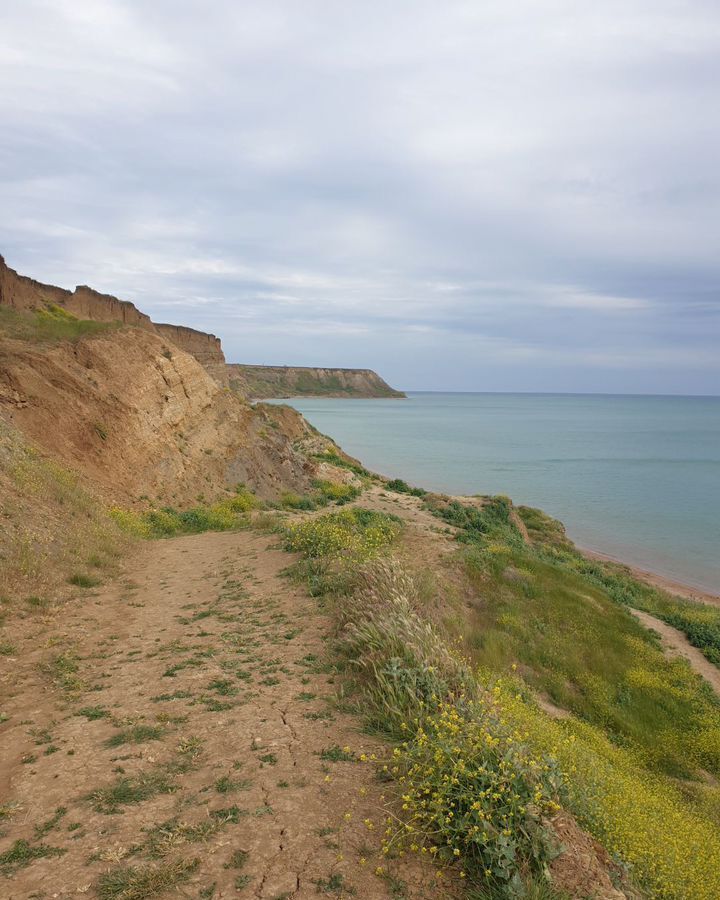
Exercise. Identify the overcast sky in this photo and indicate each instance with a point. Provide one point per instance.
(462, 194)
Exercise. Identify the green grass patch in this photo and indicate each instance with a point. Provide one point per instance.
(143, 882)
(225, 515)
(49, 325)
(79, 579)
(136, 734)
(126, 790)
(22, 853)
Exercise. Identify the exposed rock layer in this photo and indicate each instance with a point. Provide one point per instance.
(26, 294)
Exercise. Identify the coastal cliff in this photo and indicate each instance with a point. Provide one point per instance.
(261, 382)
(25, 294)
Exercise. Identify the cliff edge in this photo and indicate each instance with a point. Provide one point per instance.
(25, 294)
(262, 382)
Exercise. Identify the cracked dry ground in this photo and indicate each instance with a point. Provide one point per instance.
(181, 720)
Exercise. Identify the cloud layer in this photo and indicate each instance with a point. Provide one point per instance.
(495, 196)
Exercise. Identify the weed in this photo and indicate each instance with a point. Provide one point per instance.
(237, 860)
(337, 754)
(22, 853)
(166, 837)
(136, 734)
(47, 827)
(141, 883)
(126, 790)
(335, 884)
(84, 581)
(92, 713)
(229, 815)
(228, 785)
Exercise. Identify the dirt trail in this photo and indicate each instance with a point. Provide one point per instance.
(184, 713)
(675, 644)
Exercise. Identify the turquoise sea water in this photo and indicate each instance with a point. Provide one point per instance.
(635, 477)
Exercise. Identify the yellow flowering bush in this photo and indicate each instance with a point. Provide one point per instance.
(356, 534)
(473, 791)
(221, 516)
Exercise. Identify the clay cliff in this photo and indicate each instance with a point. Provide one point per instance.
(139, 410)
(260, 382)
(25, 294)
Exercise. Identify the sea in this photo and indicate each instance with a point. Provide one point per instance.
(634, 477)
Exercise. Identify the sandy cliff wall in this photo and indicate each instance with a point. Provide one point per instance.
(26, 294)
(206, 348)
(138, 421)
(297, 381)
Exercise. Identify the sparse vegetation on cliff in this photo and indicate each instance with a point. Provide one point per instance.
(48, 325)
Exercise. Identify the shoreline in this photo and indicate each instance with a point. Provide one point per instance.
(654, 579)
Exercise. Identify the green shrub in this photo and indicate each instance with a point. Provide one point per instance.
(402, 487)
(337, 493)
(296, 501)
(166, 522)
(354, 534)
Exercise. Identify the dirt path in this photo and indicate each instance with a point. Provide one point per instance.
(675, 644)
(178, 730)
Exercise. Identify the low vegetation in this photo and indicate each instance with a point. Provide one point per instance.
(168, 522)
(49, 325)
(698, 621)
(53, 527)
(480, 767)
(334, 545)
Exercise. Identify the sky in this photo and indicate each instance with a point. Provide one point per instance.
(518, 195)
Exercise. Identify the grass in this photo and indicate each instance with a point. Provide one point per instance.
(126, 790)
(38, 555)
(143, 882)
(22, 853)
(63, 669)
(52, 822)
(699, 622)
(335, 884)
(92, 713)
(84, 581)
(168, 836)
(478, 765)
(225, 515)
(228, 785)
(337, 754)
(136, 734)
(49, 325)
(577, 645)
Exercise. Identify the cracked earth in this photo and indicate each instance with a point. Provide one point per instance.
(178, 733)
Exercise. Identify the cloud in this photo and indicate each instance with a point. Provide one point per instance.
(458, 194)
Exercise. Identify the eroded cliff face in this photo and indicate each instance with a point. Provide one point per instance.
(141, 422)
(26, 294)
(260, 382)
